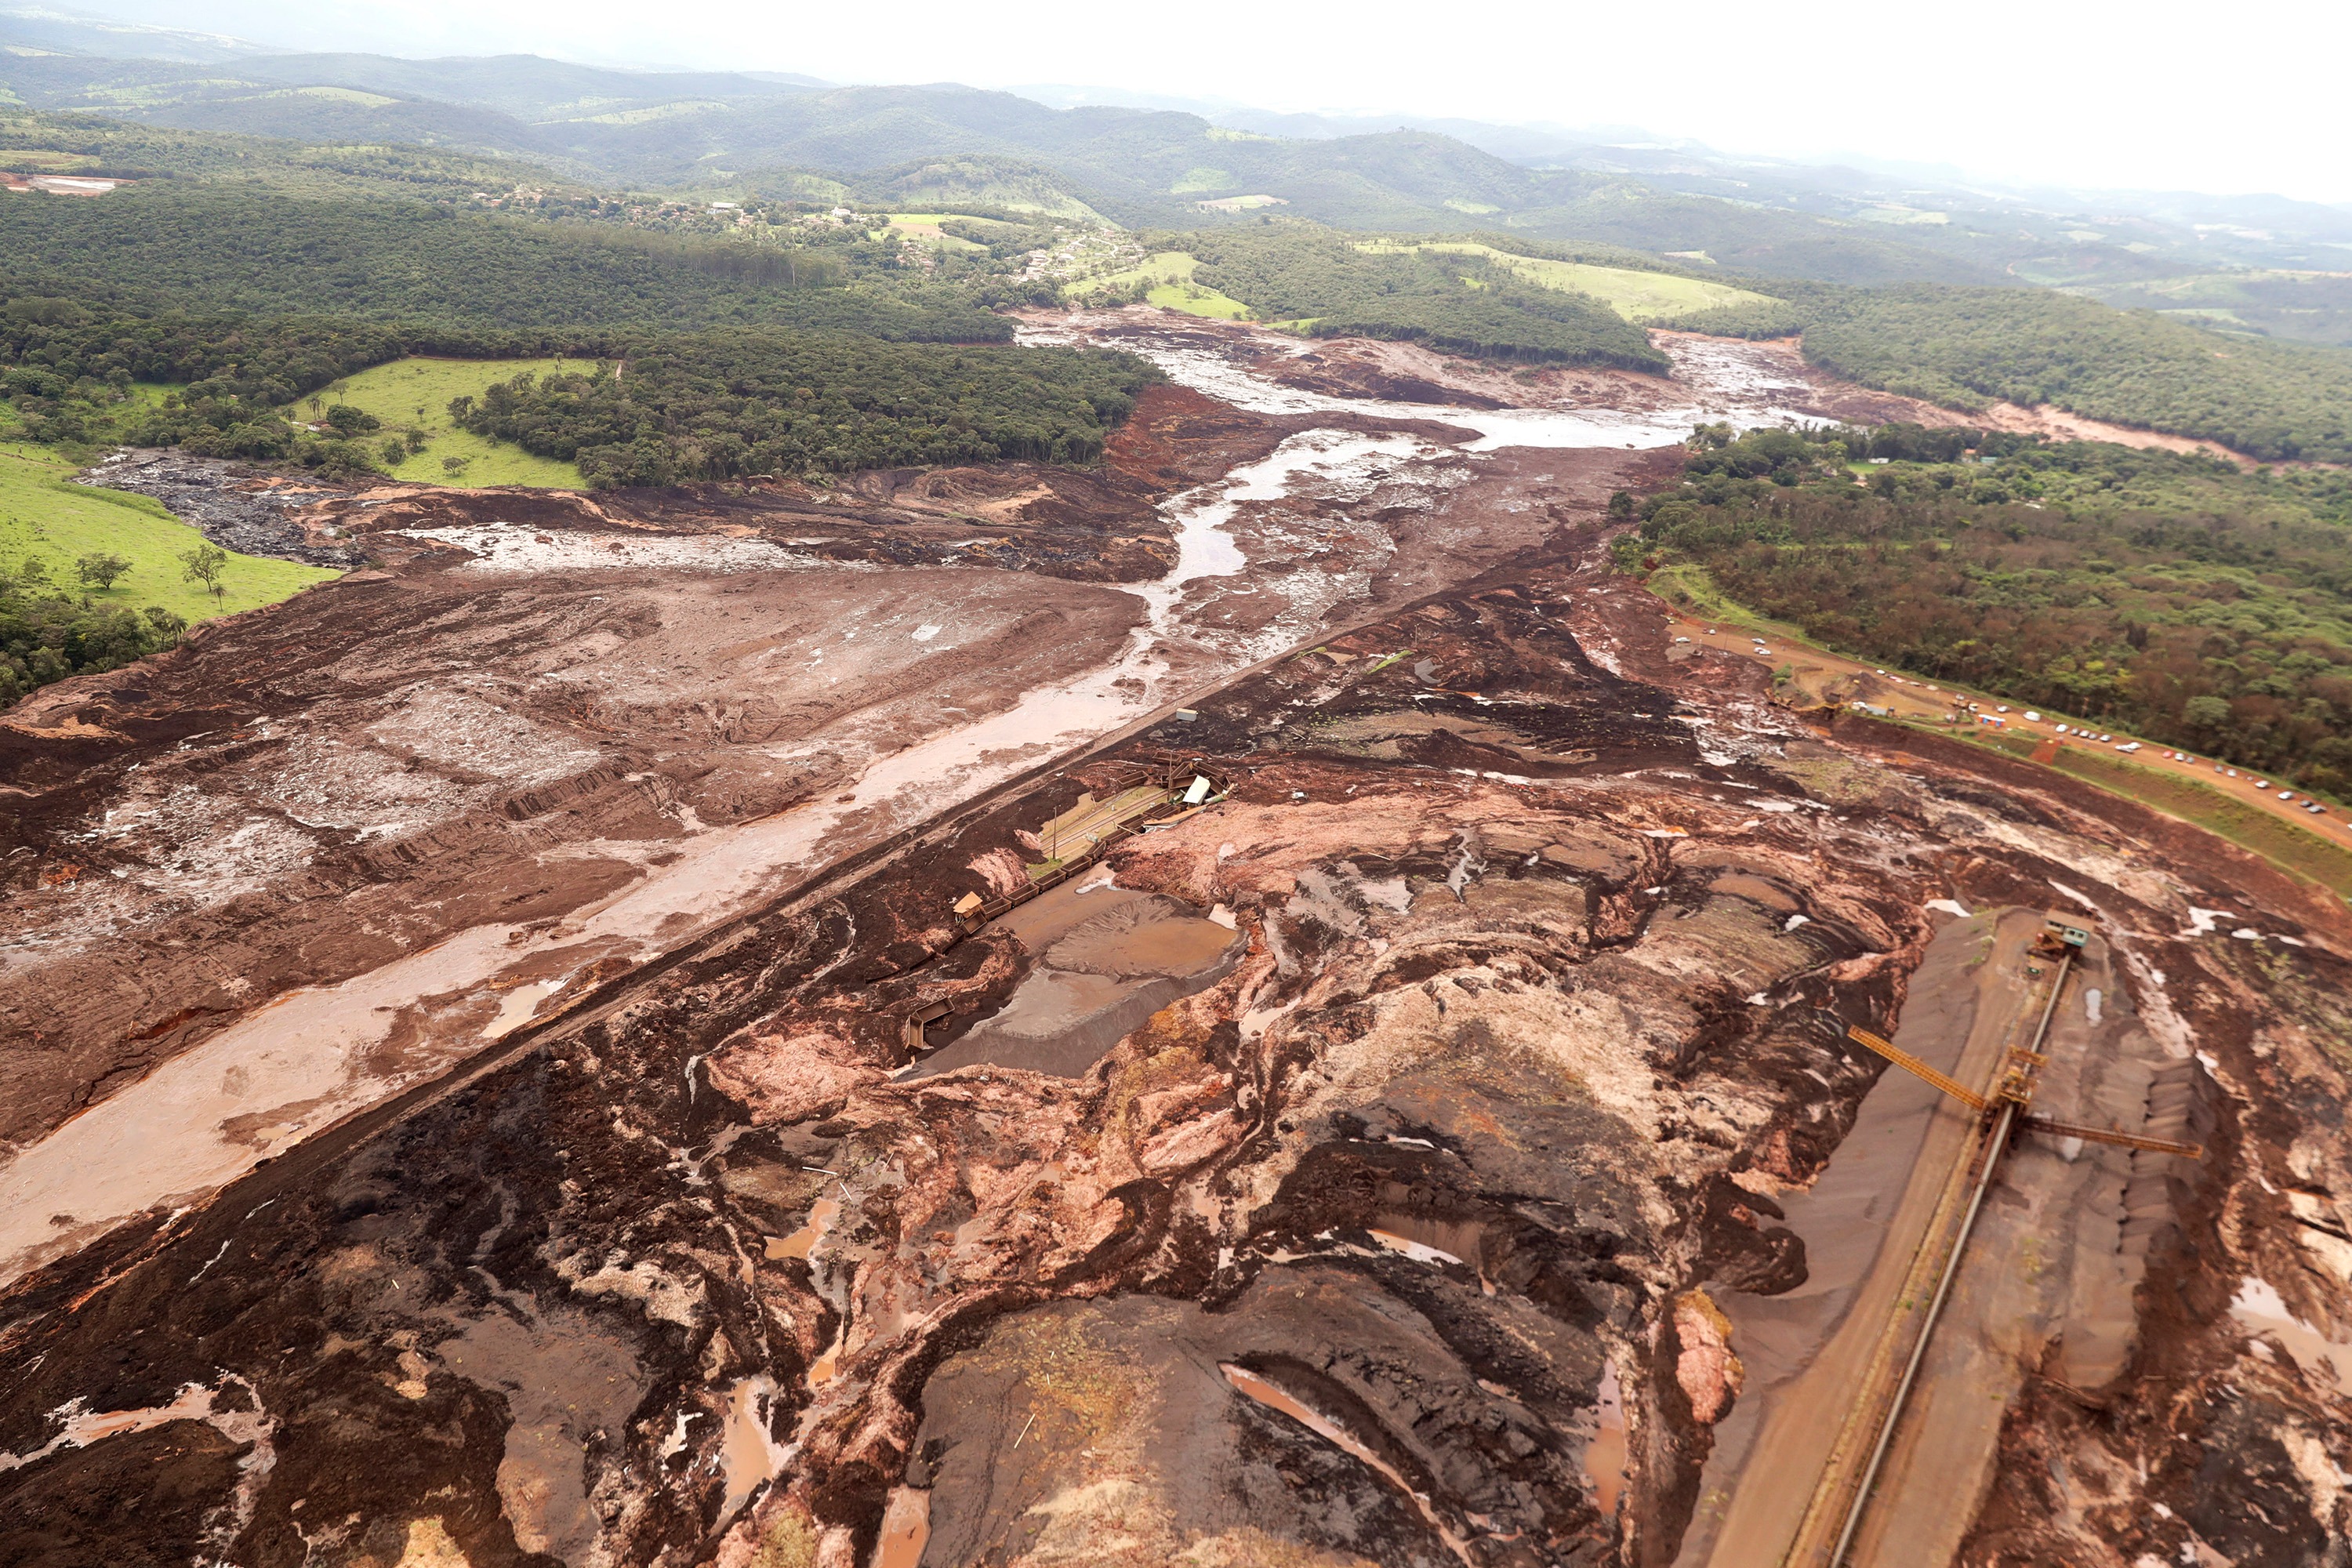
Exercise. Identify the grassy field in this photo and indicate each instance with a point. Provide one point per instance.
(43, 517)
(396, 394)
(1174, 288)
(1636, 296)
(1692, 587)
(925, 226)
(2290, 847)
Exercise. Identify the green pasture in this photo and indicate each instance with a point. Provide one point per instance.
(45, 517)
(1170, 275)
(414, 394)
(925, 226)
(1634, 295)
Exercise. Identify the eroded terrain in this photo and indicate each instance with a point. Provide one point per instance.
(1389, 1162)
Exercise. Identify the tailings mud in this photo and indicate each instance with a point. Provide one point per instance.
(1506, 1092)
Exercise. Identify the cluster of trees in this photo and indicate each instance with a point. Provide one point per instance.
(1514, 323)
(1463, 305)
(1967, 348)
(48, 634)
(2171, 594)
(719, 406)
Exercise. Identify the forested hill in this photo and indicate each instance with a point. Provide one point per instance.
(717, 405)
(1965, 348)
(2171, 594)
(196, 247)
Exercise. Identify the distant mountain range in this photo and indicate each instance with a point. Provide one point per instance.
(1147, 161)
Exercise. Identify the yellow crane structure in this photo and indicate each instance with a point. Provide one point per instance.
(2020, 1070)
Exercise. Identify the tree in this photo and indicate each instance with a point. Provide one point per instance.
(100, 569)
(1621, 506)
(205, 563)
(2207, 713)
(453, 467)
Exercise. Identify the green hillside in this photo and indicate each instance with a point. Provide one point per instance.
(210, 246)
(1965, 347)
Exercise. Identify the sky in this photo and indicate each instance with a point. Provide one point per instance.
(2147, 96)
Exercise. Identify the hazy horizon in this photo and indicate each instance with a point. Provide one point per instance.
(2046, 95)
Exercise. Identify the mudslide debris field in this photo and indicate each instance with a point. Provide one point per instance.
(497, 1074)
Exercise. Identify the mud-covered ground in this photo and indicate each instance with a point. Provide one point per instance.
(233, 504)
(1488, 1114)
(1402, 1233)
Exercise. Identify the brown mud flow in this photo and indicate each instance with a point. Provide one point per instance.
(1484, 1140)
(545, 747)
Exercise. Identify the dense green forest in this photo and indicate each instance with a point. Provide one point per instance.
(1963, 347)
(417, 262)
(2171, 594)
(717, 405)
(1967, 348)
(1463, 305)
(688, 407)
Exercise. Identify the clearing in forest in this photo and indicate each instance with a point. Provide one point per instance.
(925, 226)
(1634, 295)
(412, 395)
(45, 518)
(1170, 273)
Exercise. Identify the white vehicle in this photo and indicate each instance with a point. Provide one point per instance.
(1682, 639)
(2000, 707)
(2286, 794)
(2064, 731)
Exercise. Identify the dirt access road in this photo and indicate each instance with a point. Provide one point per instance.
(1839, 679)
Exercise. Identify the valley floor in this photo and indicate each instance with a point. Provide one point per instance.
(496, 1071)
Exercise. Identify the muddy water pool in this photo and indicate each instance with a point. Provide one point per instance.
(1109, 963)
